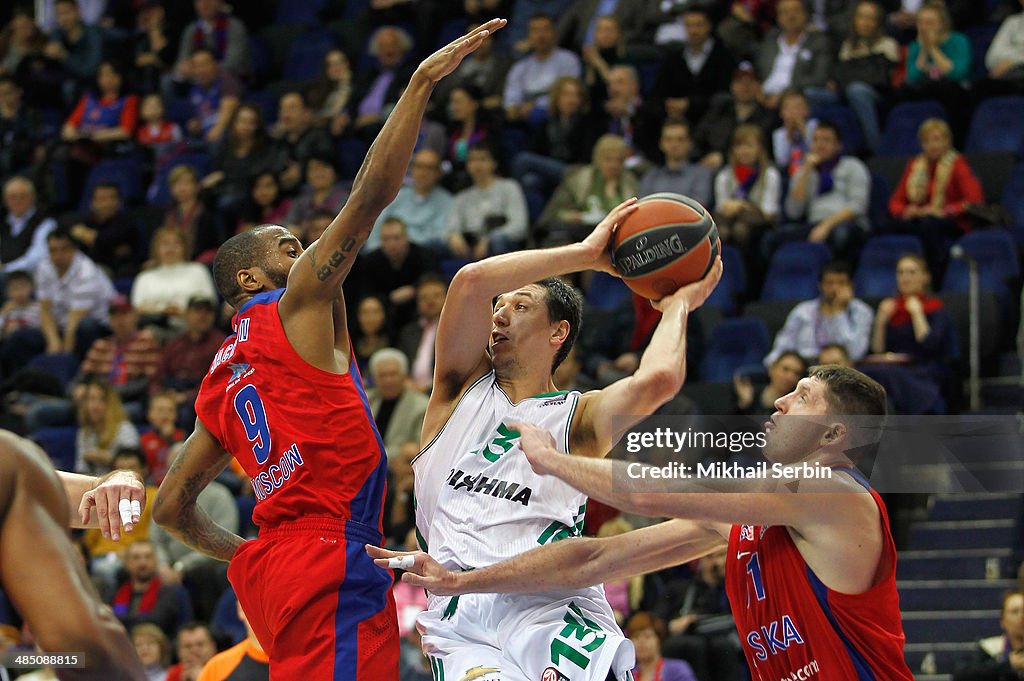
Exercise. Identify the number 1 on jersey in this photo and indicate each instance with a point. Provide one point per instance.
(249, 408)
(754, 570)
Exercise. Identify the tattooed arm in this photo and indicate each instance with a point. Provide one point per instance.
(199, 461)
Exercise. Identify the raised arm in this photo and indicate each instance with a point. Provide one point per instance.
(323, 267)
(567, 564)
(465, 322)
(605, 414)
(199, 461)
(42, 578)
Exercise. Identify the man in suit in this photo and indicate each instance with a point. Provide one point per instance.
(397, 409)
(792, 55)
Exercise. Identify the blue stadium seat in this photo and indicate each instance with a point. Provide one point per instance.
(876, 270)
(1013, 194)
(606, 292)
(998, 263)
(980, 37)
(794, 271)
(259, 57)
(59, 443)
(849, 127)
(305, 57)
(62, 365)
(878, 202)
(178, 111)
(225, 617)
(124, 172)
(267, 103)
(997, 125)
(304, 12)
(159, 193)
(450, 30)
(351, 152)
(734, 282)
(734, 343)
(449, 266)
(899, 137)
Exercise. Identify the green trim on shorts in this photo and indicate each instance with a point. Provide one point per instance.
(450, 609)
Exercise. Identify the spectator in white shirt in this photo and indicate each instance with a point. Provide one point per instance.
(74, 295)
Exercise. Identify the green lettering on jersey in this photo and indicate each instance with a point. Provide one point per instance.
(500, 445)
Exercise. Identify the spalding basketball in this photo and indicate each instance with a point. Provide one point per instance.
(669, 241)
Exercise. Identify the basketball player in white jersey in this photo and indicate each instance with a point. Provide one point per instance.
(505, 326)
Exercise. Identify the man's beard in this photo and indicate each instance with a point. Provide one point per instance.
(279, 279)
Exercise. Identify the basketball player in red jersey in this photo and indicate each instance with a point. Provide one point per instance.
(810, 576)
(284, 397)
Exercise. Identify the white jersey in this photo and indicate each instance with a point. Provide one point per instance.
(478, 501)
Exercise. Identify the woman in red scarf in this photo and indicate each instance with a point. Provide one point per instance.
(936, 188)
(915, 333)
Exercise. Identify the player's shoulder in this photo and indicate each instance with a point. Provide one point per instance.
(17, 453)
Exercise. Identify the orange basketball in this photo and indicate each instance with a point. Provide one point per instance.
(669, 241)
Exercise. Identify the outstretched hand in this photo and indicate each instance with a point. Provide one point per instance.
(447, 59)
(423, 571)
(599, 241)
(105, 499)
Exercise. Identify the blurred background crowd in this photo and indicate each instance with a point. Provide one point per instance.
(858, 157)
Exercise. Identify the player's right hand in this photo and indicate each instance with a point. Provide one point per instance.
(598, 242)
(423, 572)
(105, 501)
(447, 59)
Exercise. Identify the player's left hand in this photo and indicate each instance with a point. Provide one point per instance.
(421, 570)
(447, 59)
(537, 444)
(105, 500)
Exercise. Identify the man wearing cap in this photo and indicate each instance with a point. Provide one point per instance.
(126, 358)
(185, 359)
(712, 136)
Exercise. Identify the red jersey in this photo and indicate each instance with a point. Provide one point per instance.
(305, 436)
(794, 628)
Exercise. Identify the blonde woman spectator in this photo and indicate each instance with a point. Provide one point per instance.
(936, 188)
(166, 288)
(154, 650)
(587, 194)
(863, 69)
(748, 191)
(103, 427)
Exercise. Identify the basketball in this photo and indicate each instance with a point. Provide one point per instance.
(669, 241)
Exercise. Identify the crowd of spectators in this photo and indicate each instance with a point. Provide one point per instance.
(137, 135)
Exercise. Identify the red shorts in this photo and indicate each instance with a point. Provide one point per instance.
(319, 606)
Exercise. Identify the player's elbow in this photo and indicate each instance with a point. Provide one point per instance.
(468, 278)
(662, 383)
(165, 510)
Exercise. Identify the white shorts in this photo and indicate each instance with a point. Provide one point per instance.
(562, 636)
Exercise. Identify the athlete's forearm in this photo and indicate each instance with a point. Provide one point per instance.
(75, 486)
(567, 564)
(197, 530)
(595, 478)
(665, 356)
(497, 274)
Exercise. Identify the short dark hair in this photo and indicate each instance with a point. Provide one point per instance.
(851, 392)
(431, 278)
(19, 275)
(835, 346)
(60, 233)
(564, 302)
(237, 253)
(482, 146)
(829, 125)
(542, 15)
(641, 621)
(196, 625)
(395, 220)
(132, 452)
(835, 267)
(791, 353)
